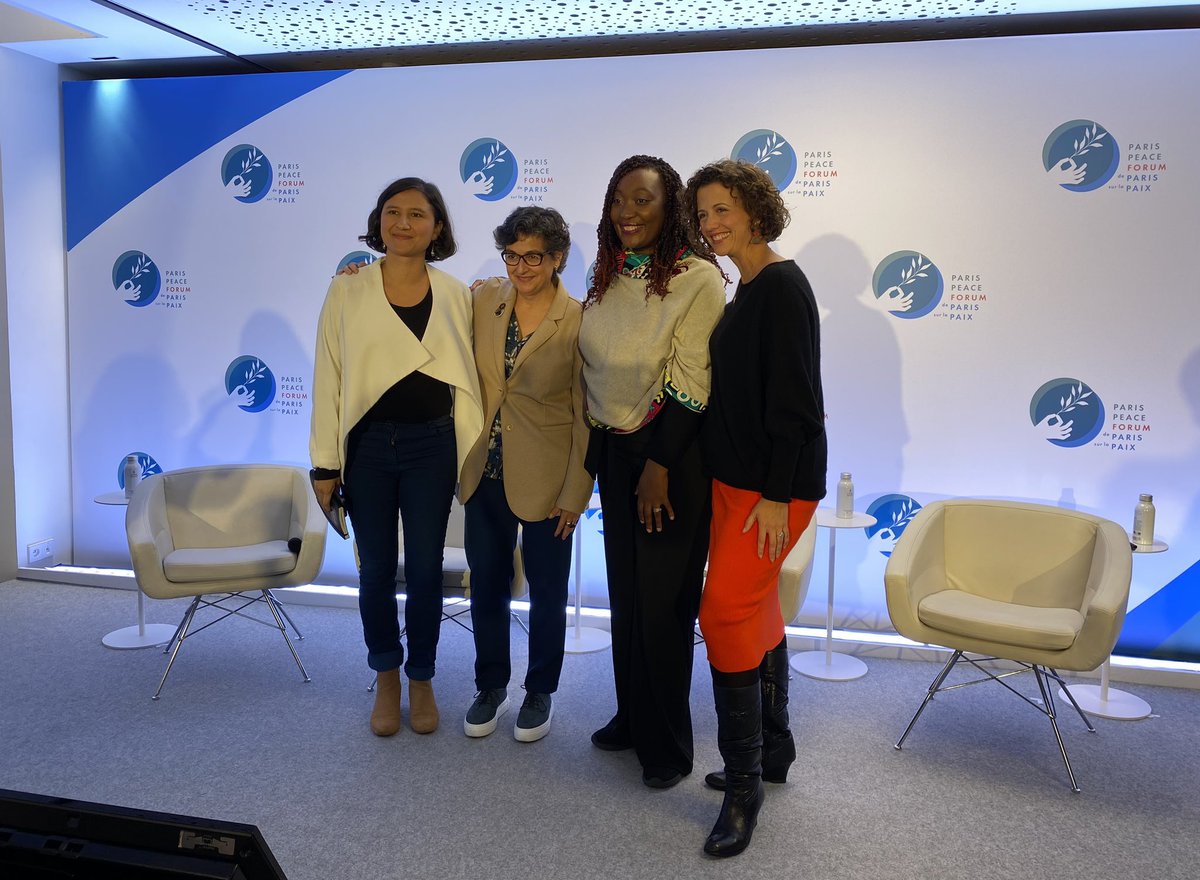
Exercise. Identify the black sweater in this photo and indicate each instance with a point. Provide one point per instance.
(764, 429)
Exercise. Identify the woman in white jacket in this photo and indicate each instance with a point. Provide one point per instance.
(396, 407)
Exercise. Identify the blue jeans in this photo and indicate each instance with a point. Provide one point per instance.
(491, 533)
(401, 472)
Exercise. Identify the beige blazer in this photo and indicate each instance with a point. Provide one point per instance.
(542, 423)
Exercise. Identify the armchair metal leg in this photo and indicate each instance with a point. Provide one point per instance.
(933, 689)
(180, 635)
(1040, 675)
(272, 599)
(1053, 673)
(271, 603)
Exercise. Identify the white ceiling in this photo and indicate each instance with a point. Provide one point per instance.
(275, 33)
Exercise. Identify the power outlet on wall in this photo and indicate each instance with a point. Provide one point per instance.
(40, 554)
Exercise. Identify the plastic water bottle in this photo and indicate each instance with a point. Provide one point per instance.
(845, 496)
(1143, 521)
(131, 473)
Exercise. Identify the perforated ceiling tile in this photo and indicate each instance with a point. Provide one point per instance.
(308, 25)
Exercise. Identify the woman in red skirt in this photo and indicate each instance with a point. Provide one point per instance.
(763, 442)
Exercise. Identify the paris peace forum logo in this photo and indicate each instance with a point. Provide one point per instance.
(771, 152)
(146, 463)
(488, 169)
(246, 173)
(250, 384)
(892, 515)
(907, 284)
(1066, 412)
(1080, 155)
(136, 278)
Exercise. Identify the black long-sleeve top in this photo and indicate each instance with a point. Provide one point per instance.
(764, 430)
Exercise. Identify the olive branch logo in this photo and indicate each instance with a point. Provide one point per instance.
(770, 149)
(254, 372)
(141, 266)
(495, 156)
(916, 269)
(902, 516)
(1090, 140)
(1076, 397)
(252, 160)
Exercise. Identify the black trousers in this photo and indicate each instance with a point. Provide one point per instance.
(654, 584)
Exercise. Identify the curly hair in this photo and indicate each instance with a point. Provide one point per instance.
(441, 247)
(532, 220)
(676, 233)
(754, 189)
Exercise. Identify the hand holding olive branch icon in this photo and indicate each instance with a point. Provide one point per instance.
(1053, 427)
(1066, 173)
(238, 187)
(895, 299)
(242, 396)
(479, 184)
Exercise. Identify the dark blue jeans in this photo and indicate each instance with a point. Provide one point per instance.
(401, 472)
(491, 537)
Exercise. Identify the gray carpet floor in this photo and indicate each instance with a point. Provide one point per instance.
(978, 792)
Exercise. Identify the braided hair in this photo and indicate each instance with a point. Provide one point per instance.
(676, 233)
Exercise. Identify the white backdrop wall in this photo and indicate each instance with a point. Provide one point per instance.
(1008, 311)
(35, 275)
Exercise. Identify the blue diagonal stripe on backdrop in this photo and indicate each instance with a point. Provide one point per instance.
(120, 137)
(1150, 625)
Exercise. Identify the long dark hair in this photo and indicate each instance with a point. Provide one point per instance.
(676, 233)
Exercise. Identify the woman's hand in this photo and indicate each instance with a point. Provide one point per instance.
(567, 521)
(350, 269)
(771, 517)
(652, 496)
(324, 490)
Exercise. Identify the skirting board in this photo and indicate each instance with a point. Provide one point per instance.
(1132, 670)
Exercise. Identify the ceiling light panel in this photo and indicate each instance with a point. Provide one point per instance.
(255, 27)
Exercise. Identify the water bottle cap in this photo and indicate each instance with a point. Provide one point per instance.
(845, 475)
(1146, 498)
(131, 457)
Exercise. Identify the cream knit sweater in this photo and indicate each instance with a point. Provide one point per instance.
(631, 344)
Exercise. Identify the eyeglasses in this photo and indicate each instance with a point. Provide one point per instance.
(533, 258)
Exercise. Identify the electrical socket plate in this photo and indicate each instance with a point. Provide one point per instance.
(40, 554)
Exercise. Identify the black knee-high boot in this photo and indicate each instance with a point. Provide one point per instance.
(739, 737)
(779, 747)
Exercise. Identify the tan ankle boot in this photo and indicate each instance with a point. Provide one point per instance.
(422, 707)
(385, 717)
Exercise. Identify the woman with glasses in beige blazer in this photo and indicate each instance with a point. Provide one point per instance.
(527, 467)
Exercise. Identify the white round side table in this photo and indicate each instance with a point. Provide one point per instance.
(829, 665)
(1108, 702)
(141, 634)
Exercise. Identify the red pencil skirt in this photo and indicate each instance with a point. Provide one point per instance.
(739, 611)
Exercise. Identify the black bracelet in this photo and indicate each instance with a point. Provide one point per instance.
(325, 474)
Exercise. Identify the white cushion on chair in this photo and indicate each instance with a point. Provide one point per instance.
(197, 564)
(976, 617)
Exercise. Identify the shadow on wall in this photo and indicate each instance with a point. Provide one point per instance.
(148, 392)
(860, 368)
(865, 424)
(232, 427)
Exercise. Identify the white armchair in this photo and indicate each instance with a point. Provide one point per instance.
(1042, 586)
(217, 534)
